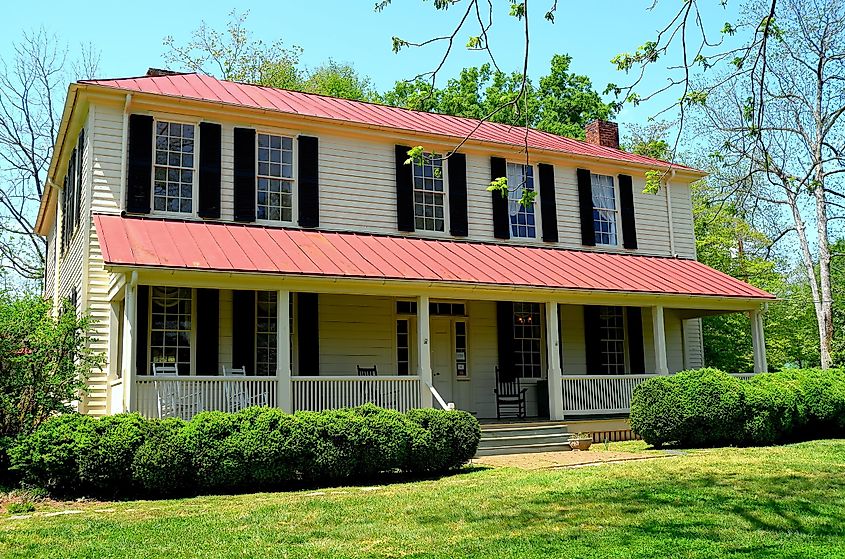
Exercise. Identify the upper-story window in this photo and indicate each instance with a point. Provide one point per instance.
(429, 194)
(604, 210)
(523, 220)
(173, 188)
(275, 178)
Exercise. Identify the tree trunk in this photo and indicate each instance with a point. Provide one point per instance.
(824, 309)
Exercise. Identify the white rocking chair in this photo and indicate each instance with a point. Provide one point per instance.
(173, 399)
(237, 397)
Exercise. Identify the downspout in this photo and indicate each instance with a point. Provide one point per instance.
(124, 143)
(672, 251)
(57, 258)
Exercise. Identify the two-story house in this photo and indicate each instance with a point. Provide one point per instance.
(241, 245)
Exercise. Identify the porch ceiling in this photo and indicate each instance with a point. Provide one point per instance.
(215, 247)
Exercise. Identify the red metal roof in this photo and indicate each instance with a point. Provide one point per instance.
(193, 245)
(207, 88)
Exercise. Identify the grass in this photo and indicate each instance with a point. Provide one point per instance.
(759, 502)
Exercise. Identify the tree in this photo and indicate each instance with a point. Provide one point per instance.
(32, 88)
(786, 156)
(233, 54)
(563, 103)
(44, 361)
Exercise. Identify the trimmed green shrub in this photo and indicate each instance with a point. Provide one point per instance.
(257, 448)
(105, 457)
(48, 458)
(441, 441)
(212, 441)
(709, 408)
(162, 464)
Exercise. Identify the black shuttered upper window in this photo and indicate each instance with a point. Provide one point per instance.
(174, 167)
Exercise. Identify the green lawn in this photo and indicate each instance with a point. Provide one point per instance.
(759, 502)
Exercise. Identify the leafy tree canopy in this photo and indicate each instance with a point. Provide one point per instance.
(563, 103)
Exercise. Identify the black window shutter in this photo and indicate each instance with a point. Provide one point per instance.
(504, 335)
(626, 204)
(308, 333)
(80, 151)
(244, 167)
(243, 330)
(142, 308)
(458, 195)
(501, 217)
(404, 191)
(209, 177)
(548, 204)
(636, 353)
(139, 175)
(208, 330)
(308, 182)
(585, 202)
(592, 339)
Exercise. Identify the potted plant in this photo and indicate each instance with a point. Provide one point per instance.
(580, 441)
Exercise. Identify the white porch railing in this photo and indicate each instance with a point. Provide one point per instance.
(604, 394)
(330, 392)
(186, 396)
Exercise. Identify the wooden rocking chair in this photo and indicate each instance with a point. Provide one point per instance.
(510, 397)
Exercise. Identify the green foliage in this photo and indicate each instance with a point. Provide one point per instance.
(20, 508)
(257, 448)
(563, 103)
(162, 465)
(233, 54)
(44, 362)
(711, 408)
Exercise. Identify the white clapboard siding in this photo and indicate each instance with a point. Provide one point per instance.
(356, 331)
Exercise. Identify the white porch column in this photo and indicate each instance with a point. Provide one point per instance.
(424, 352)
(555, 372)
(758, 342)
(284, 397)
(130, 312)
(659, 325)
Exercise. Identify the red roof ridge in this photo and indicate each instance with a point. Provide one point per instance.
(424, 121)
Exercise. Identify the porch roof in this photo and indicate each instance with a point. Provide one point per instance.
(133, 242)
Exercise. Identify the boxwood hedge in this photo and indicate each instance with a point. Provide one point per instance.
(254, 449)
(708, 407)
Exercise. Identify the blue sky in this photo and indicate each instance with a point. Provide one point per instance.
(350, 31)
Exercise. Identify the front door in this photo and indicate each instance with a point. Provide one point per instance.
(442, 364)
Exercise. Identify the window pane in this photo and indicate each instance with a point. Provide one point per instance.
(174, 164)
(275, 177)
(520, 179)
(170, 327)
(612, 340)
(604, 209)
(526, 339)
(265, 332)
(429, 197)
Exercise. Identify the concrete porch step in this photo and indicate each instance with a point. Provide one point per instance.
(523, 449)
(523, 437)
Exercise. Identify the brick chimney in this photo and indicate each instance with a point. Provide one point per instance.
(158, 72)
(603, 133)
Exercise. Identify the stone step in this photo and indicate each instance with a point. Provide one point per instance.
(544, 438)
(522, 449)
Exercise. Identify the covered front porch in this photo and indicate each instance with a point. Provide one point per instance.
(234, 348)
(221, 317)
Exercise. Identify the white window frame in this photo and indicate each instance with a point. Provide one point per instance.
(535, 207)
(446, 225)
(275, 339)
(542, 339)
(193, 331)
(195, 169)
(294, 180)
(617, 216)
